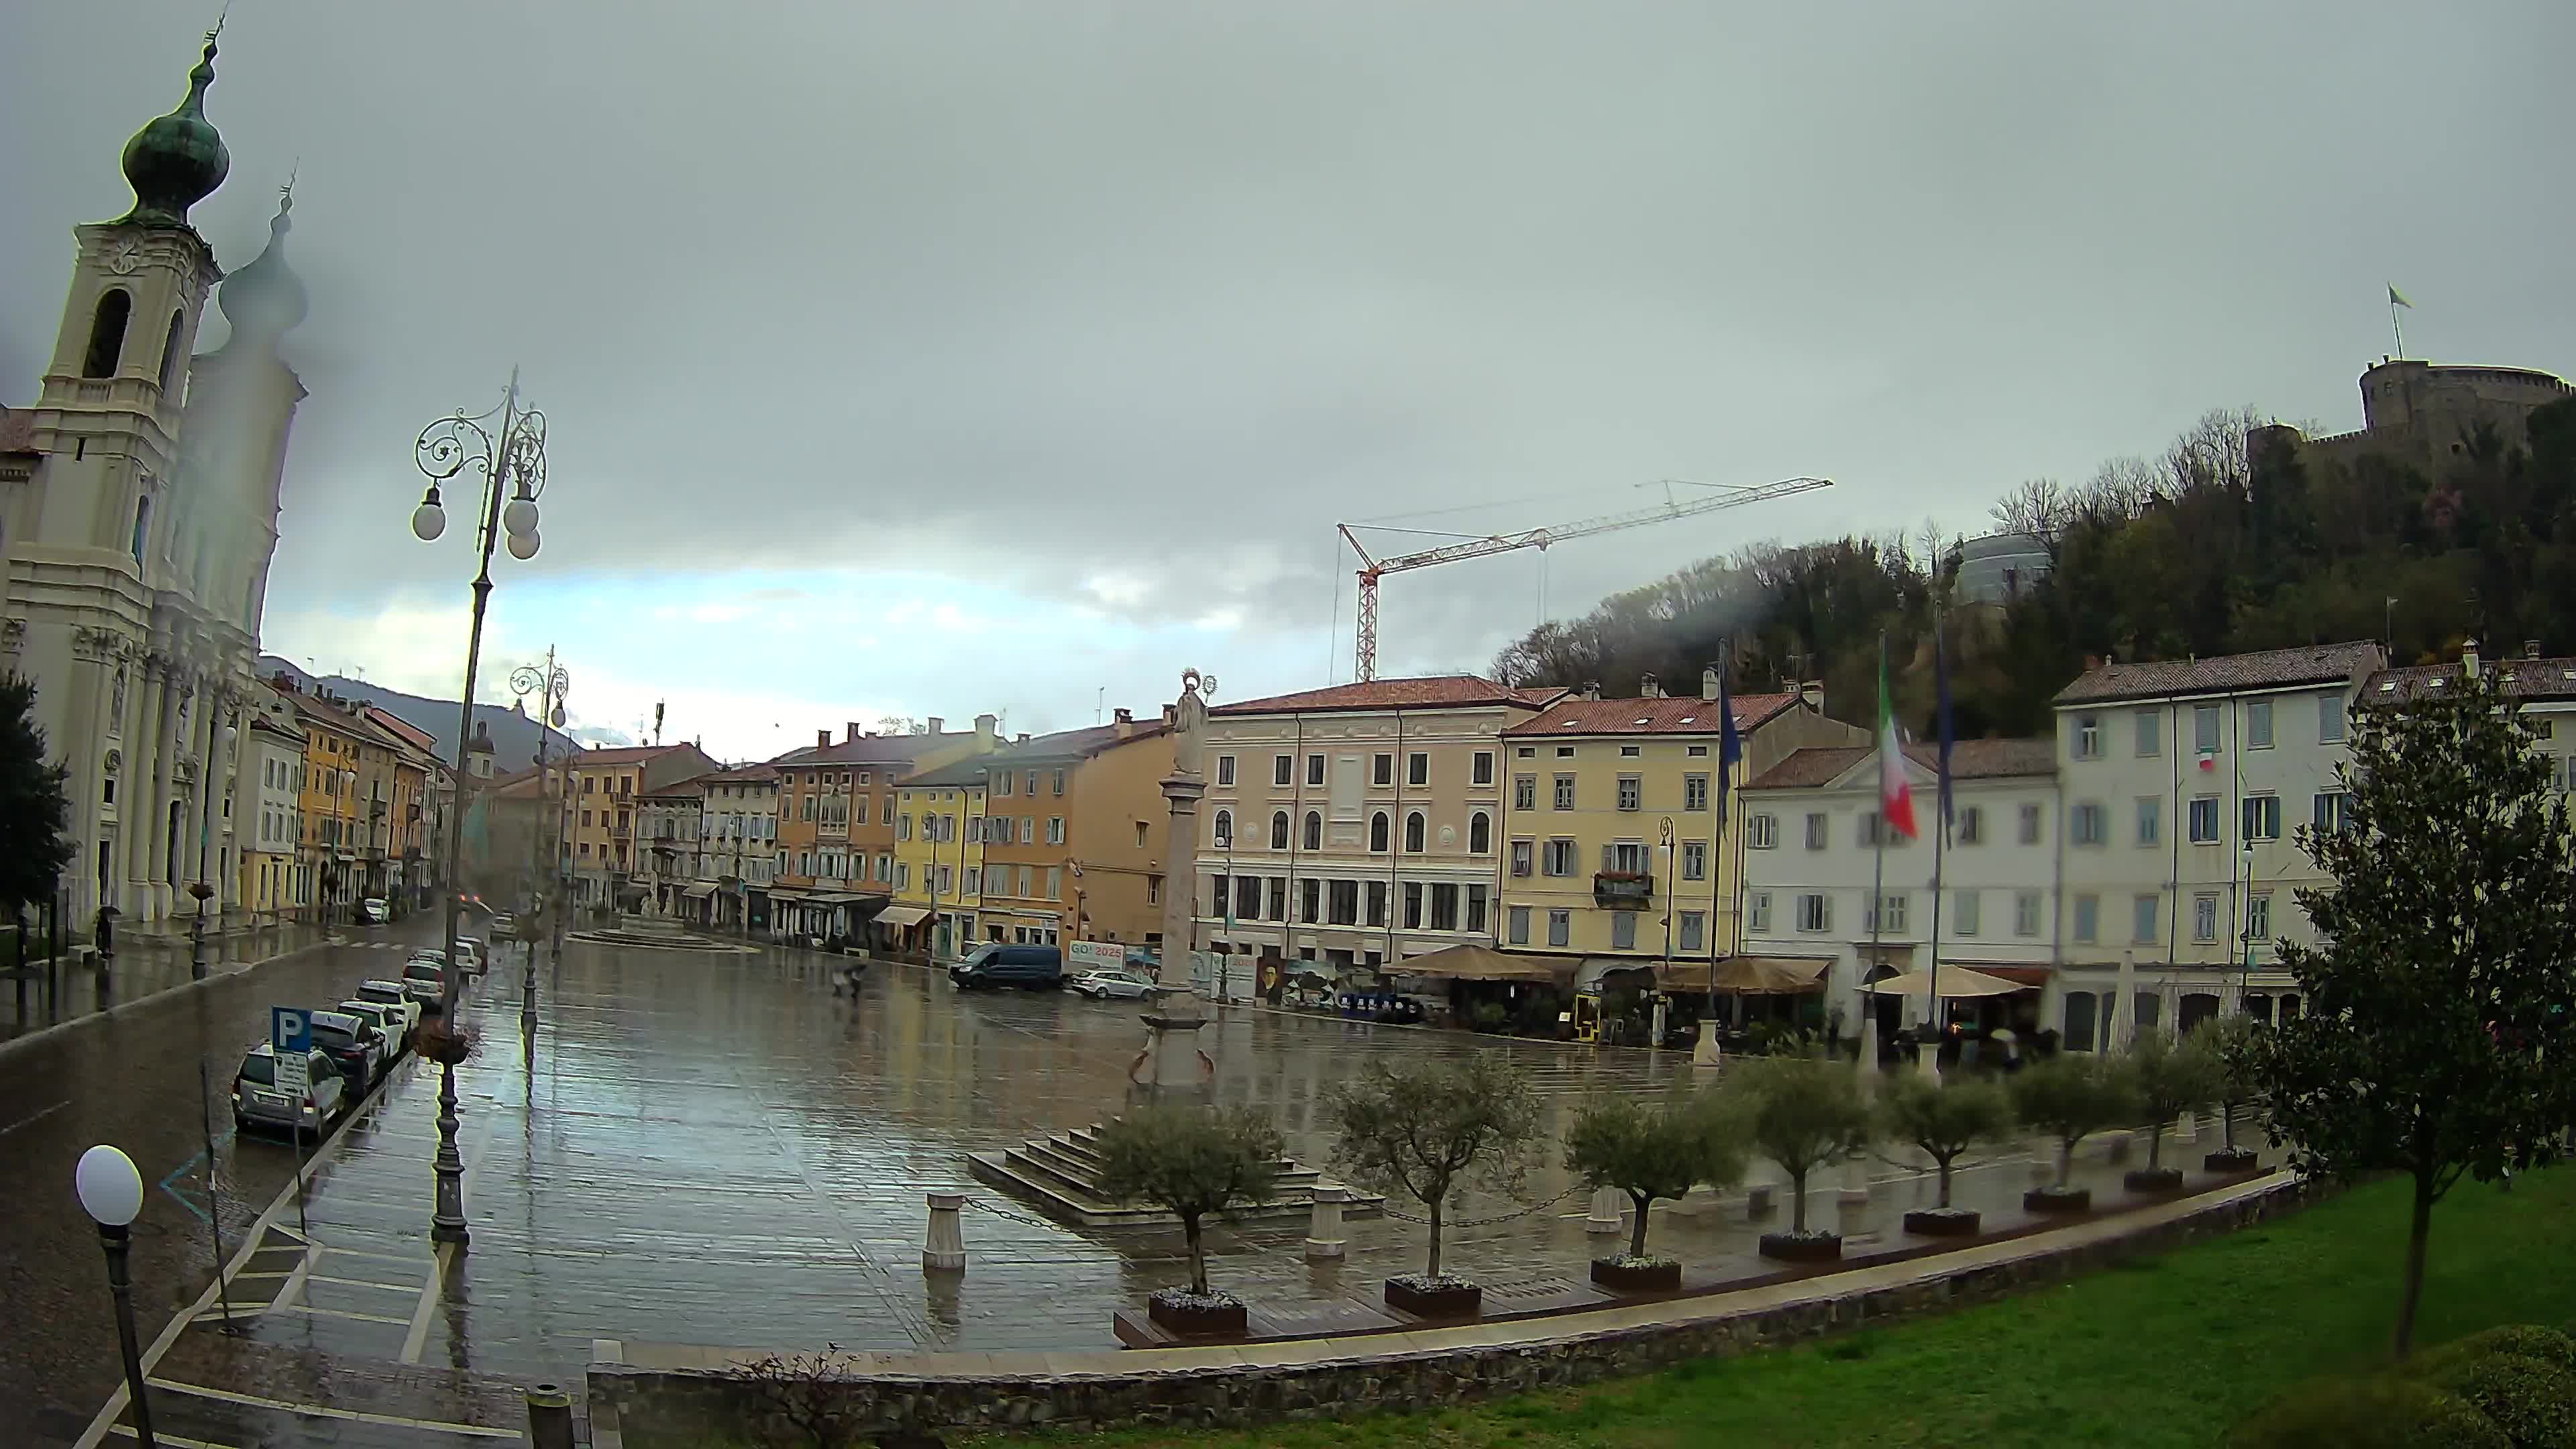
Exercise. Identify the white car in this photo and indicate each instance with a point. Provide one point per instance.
(1108, 981)
(374, 911)
(425, 978)
(392, 1025)
(469, 953)
(257, 1100)
(392, 996)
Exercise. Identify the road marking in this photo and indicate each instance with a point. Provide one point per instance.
(328, 1411)
(418, 1334)
(411, 1260)
(159, 1437)
(33, 1116)
(367, 1283)
(334, 1313)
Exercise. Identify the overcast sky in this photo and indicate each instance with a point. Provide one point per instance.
(935, 358)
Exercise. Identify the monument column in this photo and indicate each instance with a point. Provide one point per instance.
(1172, 1067)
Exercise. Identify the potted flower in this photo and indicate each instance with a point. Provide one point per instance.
(1945, 1121)
(1803, 1113)
(2070, 1097)
(2237, 1042)
(2172, 1078)
(1193, 1163)
(1428, 1129)
(1651, 1149)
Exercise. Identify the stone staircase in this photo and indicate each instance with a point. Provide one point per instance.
(1060, 1176)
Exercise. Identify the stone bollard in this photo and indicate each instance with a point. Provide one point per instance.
(1324, 1231)
(1603, 1220)
(549, 1417)
(2187, 1131)
(1851, 1203)
(945, 1249)
(1758, 1201)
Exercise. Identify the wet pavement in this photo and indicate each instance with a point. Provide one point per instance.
(715, 1149)
(142, 967)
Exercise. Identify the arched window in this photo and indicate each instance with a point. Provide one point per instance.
(1314, 831)
(1224, 828)
(1413, 831)
(107, 332)
(1377, 832)
(1279, 830)
(1480, 833)
(170, 352)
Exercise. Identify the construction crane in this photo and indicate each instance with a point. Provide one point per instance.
(1364, 654)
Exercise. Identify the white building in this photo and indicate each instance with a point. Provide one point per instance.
(138, 515)
(2183, 784)
(738, 858)
(1810, 867)
(273, 877)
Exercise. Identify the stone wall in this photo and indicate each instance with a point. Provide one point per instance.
(674, 1397)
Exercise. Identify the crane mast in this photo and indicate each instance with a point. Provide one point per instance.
(1372, 568)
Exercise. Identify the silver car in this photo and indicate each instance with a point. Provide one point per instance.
(1102, 983)
(258, 1102)
(393, 995)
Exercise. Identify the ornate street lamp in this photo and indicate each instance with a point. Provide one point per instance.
(549, 684)
(512, 466)
(111, 1192)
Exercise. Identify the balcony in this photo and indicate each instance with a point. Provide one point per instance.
(1623, 890)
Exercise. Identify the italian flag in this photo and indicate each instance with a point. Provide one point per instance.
(1895, 794)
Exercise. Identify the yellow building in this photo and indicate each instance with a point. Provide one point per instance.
(1613, 849)
(331, 801)
(938, 858)
(836, 809)
(600, 830)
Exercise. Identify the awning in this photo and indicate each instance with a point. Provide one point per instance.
(1477, 963)
(901, 916)
(837, 898)
(698, 892)
(1956, 981)
(1749, 975)
(2020, 975)
(787, 893)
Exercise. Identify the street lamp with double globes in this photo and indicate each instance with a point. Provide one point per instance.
(549, 682)
(510, 457)
(111, 1192)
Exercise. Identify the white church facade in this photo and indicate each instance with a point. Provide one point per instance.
(138, 518)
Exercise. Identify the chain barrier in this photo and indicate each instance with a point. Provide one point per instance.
(982, 1206)
(1405, 1217)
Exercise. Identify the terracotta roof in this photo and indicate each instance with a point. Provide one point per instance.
(873, 749)
(17, 430)
(1079, 744)
(1689, 715)
(1969, 760)
(264, 722)
(746, 774)
(2522, 679)
(1439, 691)
(2266, 669)
(619, 755)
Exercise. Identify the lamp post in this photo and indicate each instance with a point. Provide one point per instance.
(1663, 978)
(111, 1192)
(513, 461)
(549, 684)
(222, 744)
(348, 889)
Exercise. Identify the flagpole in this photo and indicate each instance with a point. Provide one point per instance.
(1932, 1013)
(2394, 325)
(1717, 835)
(1877, 883)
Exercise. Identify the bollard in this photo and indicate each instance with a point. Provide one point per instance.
(1604, 1218)
(1324, 1232)
(2187, 1131)
(945, 1249)
(1852, 1202)
(549, 1417)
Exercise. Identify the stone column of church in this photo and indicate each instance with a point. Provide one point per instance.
(139, 792)
(176, 692)
(196, 822)
(93, 675)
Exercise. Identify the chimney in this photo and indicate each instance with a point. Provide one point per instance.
(937, 724)
(1649, 687)
(1021, 739)
(1125, 721)
(1708, 684)
(1171, 715)
(1812, 694)
(853, 732)
(2530, 648)
(2469, 657)
(984, 727)
(822, 738)
(1592, 689)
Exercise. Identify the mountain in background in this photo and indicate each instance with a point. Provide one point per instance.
(514, 734)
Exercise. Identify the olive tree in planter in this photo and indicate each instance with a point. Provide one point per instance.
(2234, 1040)
(1945, 1121)
(1652, 1149)
(1429, 1129)
(1803, 1113)
(2070, 1097)
(1194, 1162)
(2172, 1078)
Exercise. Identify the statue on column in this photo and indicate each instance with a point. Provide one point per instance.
(1189, 716)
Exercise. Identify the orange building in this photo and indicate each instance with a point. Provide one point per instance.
(836, 810)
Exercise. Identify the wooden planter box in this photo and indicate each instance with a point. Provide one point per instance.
(1803, 1247)
(1664, 1276)
(2152, 1179)
(2227, 1159)
(2057, 1200)
(1452, 1300)
(1950, 1222)
(1199, 1318)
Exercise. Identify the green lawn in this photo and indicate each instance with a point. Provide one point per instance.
(2163, 1351)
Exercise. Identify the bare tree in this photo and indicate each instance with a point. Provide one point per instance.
(2040, 508)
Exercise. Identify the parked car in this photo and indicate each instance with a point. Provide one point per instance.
(392, 1026)
(350, 1045)
(258, 1102)
(1031, 968)
(374, 911)
(1104, 982)
(425, 978)
(394, 996)
(469, 954)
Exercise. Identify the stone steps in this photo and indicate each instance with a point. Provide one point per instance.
(1060, 1175)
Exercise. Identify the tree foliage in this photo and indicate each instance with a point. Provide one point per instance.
(2173, 1077)
(2236, 1042)
(35, 812)
(2209, 548)
(2071, 1096)
(1193, 1162)
(1428, 1129)
(1802, 1112)
(1655, 1148)
(1944, 1120)
(2440, 1033)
